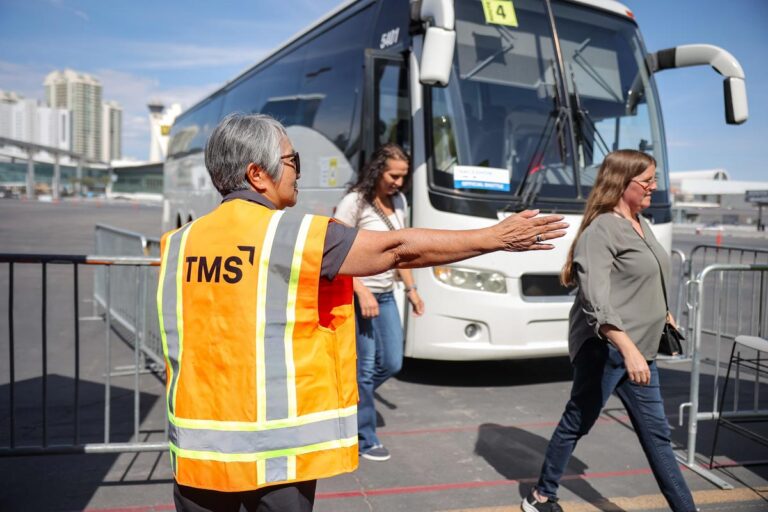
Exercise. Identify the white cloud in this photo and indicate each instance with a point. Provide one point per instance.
(133, 92)
(59, 4)
(146, 55)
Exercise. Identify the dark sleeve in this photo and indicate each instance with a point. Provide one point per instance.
(338, 242)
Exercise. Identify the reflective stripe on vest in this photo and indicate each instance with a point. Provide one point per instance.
(263, 443)
(278, 435)
(169, 309)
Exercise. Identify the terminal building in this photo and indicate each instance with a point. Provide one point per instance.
(710, 197)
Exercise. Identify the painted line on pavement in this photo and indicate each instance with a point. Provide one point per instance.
(145, 508)
(645, 502)
(415, 489)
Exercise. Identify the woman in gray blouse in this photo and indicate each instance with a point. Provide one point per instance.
(615, 327)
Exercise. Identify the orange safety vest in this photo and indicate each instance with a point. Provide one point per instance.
(260, 352)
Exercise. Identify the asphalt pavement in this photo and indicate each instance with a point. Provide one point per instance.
(463, 436)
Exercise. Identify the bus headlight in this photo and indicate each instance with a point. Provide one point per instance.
(470, 279)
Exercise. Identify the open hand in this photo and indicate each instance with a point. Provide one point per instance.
(527, 232)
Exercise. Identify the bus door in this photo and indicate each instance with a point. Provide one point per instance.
(387, 118)
(387, 114)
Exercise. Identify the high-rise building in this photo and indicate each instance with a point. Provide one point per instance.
(8, 100)
(112, 131)
(27, 120)
(81, 94)
(53, 127)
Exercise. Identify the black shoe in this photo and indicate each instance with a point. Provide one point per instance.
(376, 452)
(531, 504)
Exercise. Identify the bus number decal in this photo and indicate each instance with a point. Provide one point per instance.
(500, 12)
(389, 38)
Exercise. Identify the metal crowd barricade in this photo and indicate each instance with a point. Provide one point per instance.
(704, 255)
(685, 268)
(680, 269)
(712, 288)
(70, 433)
(113, 241)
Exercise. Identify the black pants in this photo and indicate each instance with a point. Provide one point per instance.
(298, 497)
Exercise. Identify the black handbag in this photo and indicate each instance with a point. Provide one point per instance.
(670, 343)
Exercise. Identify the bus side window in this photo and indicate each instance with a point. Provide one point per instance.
(191, 129)
(271, 89)
(331, 80)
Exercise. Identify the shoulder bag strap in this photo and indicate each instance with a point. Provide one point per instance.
(661, 272)
(383, 216)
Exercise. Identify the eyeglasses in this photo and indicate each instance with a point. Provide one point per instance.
(646, 184)
(296, 162)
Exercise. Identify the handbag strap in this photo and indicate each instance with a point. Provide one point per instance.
(383, 216)
(661, 272)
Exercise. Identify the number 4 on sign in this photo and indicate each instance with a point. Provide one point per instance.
(500, 12)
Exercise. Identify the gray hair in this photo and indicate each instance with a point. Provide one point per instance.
(238, 140)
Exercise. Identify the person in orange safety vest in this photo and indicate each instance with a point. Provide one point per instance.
(257, 323)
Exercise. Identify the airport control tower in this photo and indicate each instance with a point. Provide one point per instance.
(160, 121)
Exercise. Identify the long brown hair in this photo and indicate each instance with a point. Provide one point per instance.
(369, 177)
(616, 171)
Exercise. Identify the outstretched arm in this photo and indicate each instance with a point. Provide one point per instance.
(374, 252)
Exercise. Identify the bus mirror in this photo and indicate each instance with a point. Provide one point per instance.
(736, 107)
(439, 13)
(437, 56)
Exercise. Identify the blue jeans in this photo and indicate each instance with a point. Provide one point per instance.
(599, 371)
(379, 356)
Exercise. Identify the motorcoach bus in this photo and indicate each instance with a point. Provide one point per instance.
(503, 104)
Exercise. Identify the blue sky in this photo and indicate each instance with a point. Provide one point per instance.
(180, 51)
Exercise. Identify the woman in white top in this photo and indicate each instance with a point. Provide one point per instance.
(375, 203)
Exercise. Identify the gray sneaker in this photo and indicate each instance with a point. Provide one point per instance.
(531, 504)
(376, 452)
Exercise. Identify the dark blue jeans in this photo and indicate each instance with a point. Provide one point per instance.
(599, 371)
(379, 356)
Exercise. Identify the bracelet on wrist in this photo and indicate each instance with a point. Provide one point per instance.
(409, 289)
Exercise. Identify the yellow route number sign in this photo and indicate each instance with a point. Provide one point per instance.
(500, 12)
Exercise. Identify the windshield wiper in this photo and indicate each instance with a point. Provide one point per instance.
(529, 189)
(480, 66)
(582, 120)
(590, 70)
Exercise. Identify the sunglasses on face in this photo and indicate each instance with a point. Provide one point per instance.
(294, 161)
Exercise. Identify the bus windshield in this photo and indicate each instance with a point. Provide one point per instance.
(498, 130)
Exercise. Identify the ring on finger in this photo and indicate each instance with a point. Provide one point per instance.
(539, 239)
